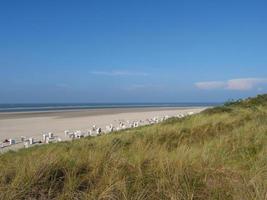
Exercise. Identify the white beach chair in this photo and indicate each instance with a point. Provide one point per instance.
(79, 134)
(71, 135)
(45, 137)
(26, 144)
(94, 128)
(12, 142)
(22, 138)
(31, 141)
(98, 131)
(51, 135)
(66, 132)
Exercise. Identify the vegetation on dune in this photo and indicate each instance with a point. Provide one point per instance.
(220, 153)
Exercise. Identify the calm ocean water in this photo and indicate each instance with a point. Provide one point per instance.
(74, 106)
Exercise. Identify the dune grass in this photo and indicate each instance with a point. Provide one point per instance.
(220, 153)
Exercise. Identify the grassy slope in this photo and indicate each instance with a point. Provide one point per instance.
(218, 154)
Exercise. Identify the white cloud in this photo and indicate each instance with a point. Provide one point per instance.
(210, 85)
(244, 83)
(233, 84)
(119, 73)
(143, 87)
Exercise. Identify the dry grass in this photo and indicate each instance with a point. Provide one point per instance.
(218, 154)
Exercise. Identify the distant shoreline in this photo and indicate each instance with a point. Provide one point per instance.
(21, 108)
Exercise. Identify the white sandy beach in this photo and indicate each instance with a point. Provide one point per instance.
(34, 124)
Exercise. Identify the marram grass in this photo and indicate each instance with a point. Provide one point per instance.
(220, 153)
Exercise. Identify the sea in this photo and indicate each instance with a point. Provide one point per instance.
(79, 106)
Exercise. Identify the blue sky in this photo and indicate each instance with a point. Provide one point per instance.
(132, 51)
